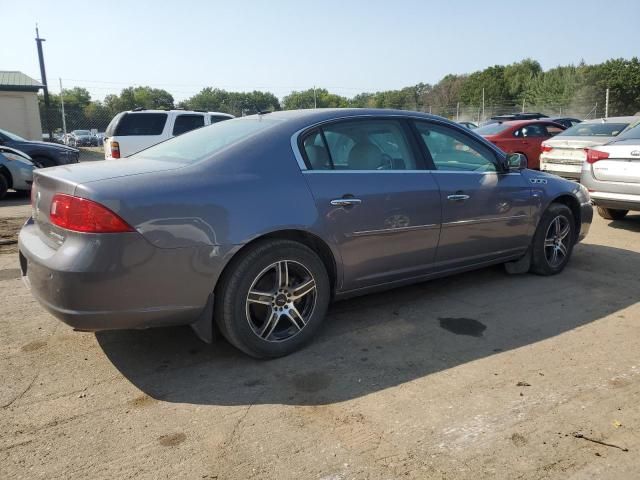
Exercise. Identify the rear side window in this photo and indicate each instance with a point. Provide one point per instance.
(186, 123)
(552, 130)
(140, 124)
(218, 118)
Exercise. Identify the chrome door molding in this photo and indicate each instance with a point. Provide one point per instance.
(385, 231)
(483, 220)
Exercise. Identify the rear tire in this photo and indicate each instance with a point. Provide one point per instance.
(553, 241)
(612, 213)
(4, 186)
(290, 293)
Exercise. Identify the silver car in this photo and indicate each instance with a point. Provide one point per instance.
(564, 154)
(612, 174)
(256, 223)
(16, 170)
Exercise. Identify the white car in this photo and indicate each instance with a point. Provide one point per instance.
(564, 154)
(134, 130)
(612, 175)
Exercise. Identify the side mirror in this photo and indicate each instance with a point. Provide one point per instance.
(515, 162)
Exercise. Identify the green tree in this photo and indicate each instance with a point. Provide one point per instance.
(322, 98)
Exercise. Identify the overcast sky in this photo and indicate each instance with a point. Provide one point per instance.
(347, 46)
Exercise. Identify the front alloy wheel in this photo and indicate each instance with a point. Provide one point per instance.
(556, 242)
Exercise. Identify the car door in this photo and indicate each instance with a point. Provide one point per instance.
(374, 198)
(530, 138)
(486, 214)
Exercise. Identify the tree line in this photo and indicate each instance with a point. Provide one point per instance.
(505, 88)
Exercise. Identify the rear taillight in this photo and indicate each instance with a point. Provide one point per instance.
(115, 149)
(594, 155)
(546, 148)
(82, 215)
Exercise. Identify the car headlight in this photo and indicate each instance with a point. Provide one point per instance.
(16, 158)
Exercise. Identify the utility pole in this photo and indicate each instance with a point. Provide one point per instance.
(43, 75)
(483, 103)
(64, 120)
(315, 101)
(522, 104)
(458, 112)
(606, 104)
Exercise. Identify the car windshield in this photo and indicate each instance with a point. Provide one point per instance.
(199, 144)
(12, 136)
(491, 129)
(594, 130)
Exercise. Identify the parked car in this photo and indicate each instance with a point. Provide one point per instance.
(100, 138)
(510, 117)
(469, 125)
(566, 121)
(257, 222)
(132, 131)
(43, 154)
(612, 174)
(564, 154)
(82, 138)
(524, 136)
(16, 170)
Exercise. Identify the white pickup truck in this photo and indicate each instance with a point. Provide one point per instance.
(134, 130)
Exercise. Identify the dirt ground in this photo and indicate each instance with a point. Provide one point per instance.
(477, 376)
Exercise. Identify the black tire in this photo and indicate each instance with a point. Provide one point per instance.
(4, 186)
(43, 162)
(541, 253)
(236, 315)
(612, 213)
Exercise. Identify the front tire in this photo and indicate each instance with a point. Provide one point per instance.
(273, 299)
(612, 213)
(553, 241)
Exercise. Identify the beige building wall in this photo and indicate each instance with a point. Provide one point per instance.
(19, 114)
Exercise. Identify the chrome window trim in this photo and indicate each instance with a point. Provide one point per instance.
(384, 231)
(303, 166)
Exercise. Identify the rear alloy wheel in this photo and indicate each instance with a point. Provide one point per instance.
(612, 213)
(553, 241)
(273, 299)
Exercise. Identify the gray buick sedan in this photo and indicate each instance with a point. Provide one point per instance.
(253, 225)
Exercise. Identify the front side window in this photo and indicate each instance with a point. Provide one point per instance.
(186, 123)
(371, 145)
(453, 151)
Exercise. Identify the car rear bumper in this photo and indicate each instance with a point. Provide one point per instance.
(117, 281)
(619, 201)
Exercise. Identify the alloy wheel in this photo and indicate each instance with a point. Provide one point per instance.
(281, 301)
(556, 241)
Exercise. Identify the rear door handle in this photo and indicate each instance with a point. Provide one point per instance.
(345, 202)
(458, 198)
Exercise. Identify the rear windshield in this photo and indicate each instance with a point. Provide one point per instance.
(594, 130)
(632, 133)
(491, 129)
(140, 124)
(202, 143)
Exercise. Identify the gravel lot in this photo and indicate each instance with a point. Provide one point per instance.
(481, 375)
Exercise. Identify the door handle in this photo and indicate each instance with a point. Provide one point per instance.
(345, 202)
(458, 197)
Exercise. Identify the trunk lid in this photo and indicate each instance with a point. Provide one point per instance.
(66, 178)
(623, 164)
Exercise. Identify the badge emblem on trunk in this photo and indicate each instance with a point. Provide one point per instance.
(635, 153)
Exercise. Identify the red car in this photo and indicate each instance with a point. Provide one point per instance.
(521, 136)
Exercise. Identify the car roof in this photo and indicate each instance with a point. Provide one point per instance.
(522, 123)
(627, 119)
(144, 110)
